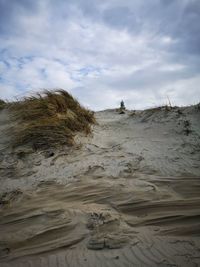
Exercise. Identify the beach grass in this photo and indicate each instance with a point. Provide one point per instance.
(2, 104)
(49, 119)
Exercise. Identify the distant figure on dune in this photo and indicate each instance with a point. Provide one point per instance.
(122, 106)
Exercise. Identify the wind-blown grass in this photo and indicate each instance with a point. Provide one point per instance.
(50, 119)
(2, 104)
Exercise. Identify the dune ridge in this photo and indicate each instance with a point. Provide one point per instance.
(127, 195)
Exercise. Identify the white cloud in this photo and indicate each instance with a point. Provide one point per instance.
(65, 46)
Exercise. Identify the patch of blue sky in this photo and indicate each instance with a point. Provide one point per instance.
(3, 51)
(89, 69)
(5, 63)
(3, 54)
(21, 90)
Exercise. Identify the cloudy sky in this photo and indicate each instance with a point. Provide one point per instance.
(102, 51)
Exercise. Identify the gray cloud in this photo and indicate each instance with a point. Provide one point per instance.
(102, 51)
(11, 10)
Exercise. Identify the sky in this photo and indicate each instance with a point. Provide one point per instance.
(102, 51)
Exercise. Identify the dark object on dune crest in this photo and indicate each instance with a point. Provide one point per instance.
(49, 119)
(122, 108)
(2, 104)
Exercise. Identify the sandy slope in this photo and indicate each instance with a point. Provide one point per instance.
(127, 196)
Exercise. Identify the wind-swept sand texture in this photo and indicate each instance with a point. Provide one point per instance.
(127, 196)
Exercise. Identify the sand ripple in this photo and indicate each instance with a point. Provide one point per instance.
(78, 224)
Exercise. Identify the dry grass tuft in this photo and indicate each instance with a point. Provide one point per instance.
(2, 104)
(165, 108)
(50, 119)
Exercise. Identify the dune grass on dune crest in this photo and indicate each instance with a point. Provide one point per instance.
(2, 104)
(50, 119)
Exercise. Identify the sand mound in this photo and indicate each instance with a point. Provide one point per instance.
(126, 196)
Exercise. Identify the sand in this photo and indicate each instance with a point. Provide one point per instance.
(127, 195)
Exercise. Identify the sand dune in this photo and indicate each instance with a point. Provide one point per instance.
(128, 195)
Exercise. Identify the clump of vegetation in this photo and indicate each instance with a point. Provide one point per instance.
(50, 119)
(165, 108)
(2, 104)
